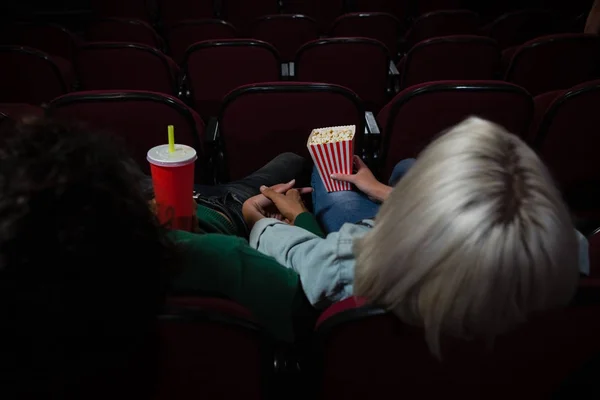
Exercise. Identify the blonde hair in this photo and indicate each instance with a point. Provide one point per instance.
(473, 238)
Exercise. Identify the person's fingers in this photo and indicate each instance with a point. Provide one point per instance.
(293, 194)
(359, 163)
(284, 187)
(343, 177)
(270, 193)
(305, 190)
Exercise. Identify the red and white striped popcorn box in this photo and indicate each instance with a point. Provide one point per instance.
(332, 149)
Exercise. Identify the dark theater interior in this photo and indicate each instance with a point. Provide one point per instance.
(436, 231)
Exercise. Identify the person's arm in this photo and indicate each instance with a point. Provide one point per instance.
(592, 25)
(365, 181)
(308, 221)
(325, 265)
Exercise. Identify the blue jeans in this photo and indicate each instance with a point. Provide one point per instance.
(337, 208)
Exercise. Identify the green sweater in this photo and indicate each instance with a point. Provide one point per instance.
(222, 264)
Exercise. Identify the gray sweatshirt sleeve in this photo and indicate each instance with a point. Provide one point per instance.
(325, 265)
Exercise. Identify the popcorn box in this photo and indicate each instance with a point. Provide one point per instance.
(332, 150)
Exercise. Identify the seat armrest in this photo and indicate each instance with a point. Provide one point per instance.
(285, 71)
(212, 131)
(372, 141)
(372, 123)
(394, 79)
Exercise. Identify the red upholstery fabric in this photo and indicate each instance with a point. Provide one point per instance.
(379, 26)
(425, 6)
(555, 62)
(180, 10)
(325, 12)
(442, 23)
(123, 30)
(348, 304)
(541, 104)
(517, 27)
(418, 114)
(366, 356)
(183, 34)
(214, 68)
(347, 62)
(567, 141)
(17, 111)
(287, 32)
(594, 249)
(116, 66)
(259, 122)
(135, 9)
(49, 38)
(399, 8)
(461, 57)
(211, 350)
(31, 76)
(140, 118)
(242, 13)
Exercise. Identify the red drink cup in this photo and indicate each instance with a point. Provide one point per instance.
(332, 150)
(173, 180)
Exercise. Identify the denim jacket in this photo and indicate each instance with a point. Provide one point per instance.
(326, 265)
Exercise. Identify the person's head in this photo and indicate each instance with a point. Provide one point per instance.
(83, 264)
(473, 239)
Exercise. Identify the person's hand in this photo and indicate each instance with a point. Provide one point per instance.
(289, 205)
(365, 181)
(259, 206)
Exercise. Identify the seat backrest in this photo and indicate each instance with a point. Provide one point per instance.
(567, 138)
(180, 10)
(325, 12)
(460, 57)
(594, 251)
(140, 118)
(419, 113)
(233, 63)
(425, 6)
(378, 354)
(517, 27)
(29, 76)
(242, 13)
(376, 25)
(287, 32)
(400, 8)
(259, 122)
(442, 23)
(49, 38)
(123, 30)
(555, 62)
(347, 62)
(212, 348)
(18, 111)
(135, 9)
(125, 66)
(181, 35)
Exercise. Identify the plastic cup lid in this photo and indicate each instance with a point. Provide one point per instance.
(160, 155)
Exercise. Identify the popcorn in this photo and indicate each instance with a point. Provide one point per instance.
(332, 150)
(331, 135)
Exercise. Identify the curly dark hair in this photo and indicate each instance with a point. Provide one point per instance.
(84, 265)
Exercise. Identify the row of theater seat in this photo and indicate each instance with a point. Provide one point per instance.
(242, 13)
(287, 32)
(257, 122)
(213, 348)
(211, 69)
